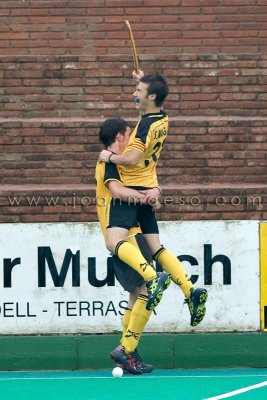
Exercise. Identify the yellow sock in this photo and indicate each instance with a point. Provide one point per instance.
(170, 263)
(133, 257)
(125, 321)
(139, 317)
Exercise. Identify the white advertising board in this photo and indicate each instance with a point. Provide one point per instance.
(58, 278)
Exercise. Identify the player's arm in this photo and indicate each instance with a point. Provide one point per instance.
(113, 182)
(138, 76)
(133, 196)
(152, 194)
(131, 157)
(119, 191)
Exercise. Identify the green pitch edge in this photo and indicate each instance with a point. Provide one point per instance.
(167, 351)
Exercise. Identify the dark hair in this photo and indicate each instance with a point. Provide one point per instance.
(110, 128)
(156, 85)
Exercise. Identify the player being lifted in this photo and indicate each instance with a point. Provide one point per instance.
(138, 171)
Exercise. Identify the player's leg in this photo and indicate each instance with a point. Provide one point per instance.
(121, 217)
(133, 295)
(128, 348)
(125, 355)
(137, 300)
(118, 244)
(128, 310)
(139, 315)
(136, 315)
(195, 298)
(138, 320)
(133, 321)
(169, 262)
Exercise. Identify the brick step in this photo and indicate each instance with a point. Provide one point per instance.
(205, 150)
(210, 168)
(76, 203)
(41, 86)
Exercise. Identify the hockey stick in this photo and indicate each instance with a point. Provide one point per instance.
(135, 56)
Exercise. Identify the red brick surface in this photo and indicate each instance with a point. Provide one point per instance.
(178, 26)
(100, 86)
(66, 65)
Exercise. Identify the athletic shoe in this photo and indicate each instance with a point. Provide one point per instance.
(196, 304)
(127, 361)
(155, 289)
(122, 367)
(145, 368)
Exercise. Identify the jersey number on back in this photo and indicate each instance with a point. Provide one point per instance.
(154, 155)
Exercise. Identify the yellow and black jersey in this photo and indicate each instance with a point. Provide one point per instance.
(104, 173)
(148, 138)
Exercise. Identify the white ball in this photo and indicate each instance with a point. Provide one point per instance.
(117, 372)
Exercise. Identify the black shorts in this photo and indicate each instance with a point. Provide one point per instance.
(127, 276)
(127, 215)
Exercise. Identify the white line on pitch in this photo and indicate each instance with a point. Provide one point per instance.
(51, 378)
(235, 392)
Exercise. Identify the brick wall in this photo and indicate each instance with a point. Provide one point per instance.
(100, 86)
(206, 151)
(76, 203)
(65, 66)
(163, 27)
(210, 168)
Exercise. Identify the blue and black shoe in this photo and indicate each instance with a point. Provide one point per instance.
(145, 368)
(155, 289)
(196, 304)
(126, 361)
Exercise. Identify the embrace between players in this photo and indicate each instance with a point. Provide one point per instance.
(126, 177)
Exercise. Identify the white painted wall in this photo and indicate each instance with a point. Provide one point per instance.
(26, 308)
